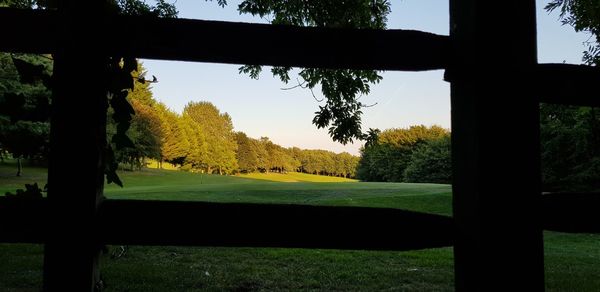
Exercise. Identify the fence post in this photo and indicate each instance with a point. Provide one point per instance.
(495, 145)
(77, 141)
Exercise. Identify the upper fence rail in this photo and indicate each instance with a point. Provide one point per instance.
(36, 31)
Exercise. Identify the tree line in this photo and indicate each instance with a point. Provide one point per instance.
(570, 152)
(201, 138)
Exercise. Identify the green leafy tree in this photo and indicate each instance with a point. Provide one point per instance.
(346, 164)
(261, 154)
(278, 158)
(431, 162)
(118, 72)
(388, 158)
(570, 137)
(198, 156)
(220, 138)
(246, 155)
(24, 106)
(174, 144)
(144, 133)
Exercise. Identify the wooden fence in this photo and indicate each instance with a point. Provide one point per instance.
(496, 87)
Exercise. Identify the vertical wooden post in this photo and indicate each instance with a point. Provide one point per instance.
(78, 137)
(495, 145)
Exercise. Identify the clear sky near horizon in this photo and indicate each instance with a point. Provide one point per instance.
(262, 108)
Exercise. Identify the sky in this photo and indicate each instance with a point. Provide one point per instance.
(261, 108)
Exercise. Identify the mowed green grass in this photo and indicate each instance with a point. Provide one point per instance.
(9, 182)
(572, 260)
(153, 184)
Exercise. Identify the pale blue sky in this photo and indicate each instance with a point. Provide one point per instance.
(261, 108)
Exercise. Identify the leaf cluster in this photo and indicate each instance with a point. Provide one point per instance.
(583, 15)
(570, 144)
(341, 89)
(161, 9)
(31, 191)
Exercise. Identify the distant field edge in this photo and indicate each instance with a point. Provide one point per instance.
(295, 177)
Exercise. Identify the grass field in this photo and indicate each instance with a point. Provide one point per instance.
(572, 261)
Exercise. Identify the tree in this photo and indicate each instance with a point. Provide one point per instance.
(246, 155)
(197, 156)
(218, 131)
(24, 106)
(341, 112)
(261, 154)
(174, 144)
(431, 162)
(570, 137)
(145, 127)
(388, 157)
(346, 164)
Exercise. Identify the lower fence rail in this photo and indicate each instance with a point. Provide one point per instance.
(244, 225)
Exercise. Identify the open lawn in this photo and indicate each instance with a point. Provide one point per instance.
(171, 185)
(572, 261)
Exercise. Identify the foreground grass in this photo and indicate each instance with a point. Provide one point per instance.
(572, 260)
(9, 182)
(246, 269)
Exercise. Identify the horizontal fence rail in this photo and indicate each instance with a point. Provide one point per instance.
(219, 224)
(37, 31)
(568, 84)
(243, 225)
(571, 212)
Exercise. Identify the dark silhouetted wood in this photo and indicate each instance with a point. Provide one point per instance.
(495, 147)
(31, 31)
(572, 212)
(568, 84)
(241, 43)
(23, 220)
(364, 227)
(266, 225)
(496, 87)
(77, 142)
(263, 44)
(247, 225)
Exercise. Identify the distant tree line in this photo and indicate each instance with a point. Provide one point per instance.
(202, 139)
(262, 155)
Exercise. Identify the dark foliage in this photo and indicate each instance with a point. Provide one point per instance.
(570, 138)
